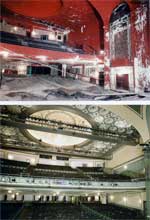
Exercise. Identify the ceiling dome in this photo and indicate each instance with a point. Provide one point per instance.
(54, 139)
(32, 8)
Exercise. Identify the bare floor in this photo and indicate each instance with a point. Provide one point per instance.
(47, 88)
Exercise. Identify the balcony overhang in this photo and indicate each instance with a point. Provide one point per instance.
(44, 57)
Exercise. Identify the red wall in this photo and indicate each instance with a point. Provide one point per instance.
(76, 14)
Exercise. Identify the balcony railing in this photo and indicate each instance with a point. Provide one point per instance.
(15, 181)
(11, 38)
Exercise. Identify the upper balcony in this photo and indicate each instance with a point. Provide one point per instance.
(22, 174)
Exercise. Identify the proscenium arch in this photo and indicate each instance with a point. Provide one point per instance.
(101, 24)
(132, 118)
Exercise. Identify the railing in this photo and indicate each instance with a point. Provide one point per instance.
(36, 43)
(7, 180)
(85, 176)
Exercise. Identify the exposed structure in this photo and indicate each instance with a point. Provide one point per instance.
(106, 44)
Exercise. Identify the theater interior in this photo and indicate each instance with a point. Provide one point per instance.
(49, 47)
(79, 162)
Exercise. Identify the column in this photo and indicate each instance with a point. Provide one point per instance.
(64, 67)
(106, 57)
(30, 71)
(140, 47)
(147, 178)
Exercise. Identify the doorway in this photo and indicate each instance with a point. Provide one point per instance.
(101, 79)
(38, 70)
(122, 81)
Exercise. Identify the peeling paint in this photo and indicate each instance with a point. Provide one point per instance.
(140, 20)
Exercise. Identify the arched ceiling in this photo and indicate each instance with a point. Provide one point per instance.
(70, 10)
(78, 16)
(32, 8)
(135, 116)
(103, 119)
(85, 18)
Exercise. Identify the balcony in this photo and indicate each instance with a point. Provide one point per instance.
(11, 38)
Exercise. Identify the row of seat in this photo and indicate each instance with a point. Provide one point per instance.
(11, 38)
(13, 163)
(55, 171)
(68, 211)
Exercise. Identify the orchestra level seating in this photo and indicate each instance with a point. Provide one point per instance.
(67, 211)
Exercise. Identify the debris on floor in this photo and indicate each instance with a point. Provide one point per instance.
(43, 87)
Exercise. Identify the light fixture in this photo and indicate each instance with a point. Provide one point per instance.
(96, 198)
(51, 36)
(32, 161)
(4, 54)
(140, 201)
(72, 165)
(10, 157)
(101, 52)
(9, 191)
(15, 28)
(124, 199)
(12, 196)
(107, 34)
(89, 198)
(111, 197)
(125, 167)
(21, 67)
(42, 58)
(17, 193)
(33, 33)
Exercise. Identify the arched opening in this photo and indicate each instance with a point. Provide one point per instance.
(120, 45)
(47, 198)
(5, 197)
(101, 26)
(120, 32)
(101, 42)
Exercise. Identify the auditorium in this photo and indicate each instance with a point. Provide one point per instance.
(75, 49)
(75, 162)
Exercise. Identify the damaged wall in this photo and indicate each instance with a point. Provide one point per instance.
(125, 40)
(140, 50)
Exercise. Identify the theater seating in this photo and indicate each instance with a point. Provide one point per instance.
(12, 167)
(55, 171)
(12, 38)
(68, 211)
(8, 210)
(116, 212)
(18, 168)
